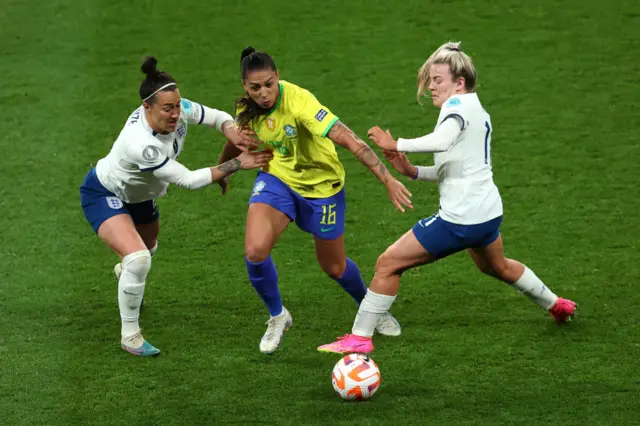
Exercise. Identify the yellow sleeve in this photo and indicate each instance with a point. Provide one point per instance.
(317, 118)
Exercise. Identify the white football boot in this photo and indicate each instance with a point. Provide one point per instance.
(276, 326)
(388, 326)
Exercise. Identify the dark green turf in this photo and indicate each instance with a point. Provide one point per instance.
(560, 80)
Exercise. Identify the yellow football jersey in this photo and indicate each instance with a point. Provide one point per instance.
(296, 129)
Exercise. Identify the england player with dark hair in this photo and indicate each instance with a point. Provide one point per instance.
(470, 211)
(118, 195)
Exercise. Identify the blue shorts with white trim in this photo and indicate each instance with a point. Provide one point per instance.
(441, 238)
(99, 204)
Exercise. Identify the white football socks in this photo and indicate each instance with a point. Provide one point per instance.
(135, 267)
(372, 306)
(530, 285)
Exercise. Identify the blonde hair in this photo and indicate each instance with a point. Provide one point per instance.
(459, 63)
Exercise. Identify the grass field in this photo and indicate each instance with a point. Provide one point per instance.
(560, 80)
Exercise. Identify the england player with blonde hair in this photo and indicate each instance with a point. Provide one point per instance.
(470, 211)
(118, 195)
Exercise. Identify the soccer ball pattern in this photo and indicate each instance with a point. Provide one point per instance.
(355, 377)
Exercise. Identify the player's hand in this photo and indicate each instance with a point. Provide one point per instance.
(254, 160)
(400, 162)
(224, 184)
(243, 138)
(383, 139)
(399, 194)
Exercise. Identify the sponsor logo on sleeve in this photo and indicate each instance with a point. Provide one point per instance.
(321, 114)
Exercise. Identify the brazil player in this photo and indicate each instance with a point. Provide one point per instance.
(303, 183)
(118, 195)
(470, 204)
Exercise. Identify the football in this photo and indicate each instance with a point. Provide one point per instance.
(355, 377)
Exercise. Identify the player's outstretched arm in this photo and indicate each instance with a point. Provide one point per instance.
(244, 139)
(346, 138)
(440, 140)
(176, 173)
(401, 163)
(229, 151)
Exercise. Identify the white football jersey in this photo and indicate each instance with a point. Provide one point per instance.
(468, 195)
(127, 170)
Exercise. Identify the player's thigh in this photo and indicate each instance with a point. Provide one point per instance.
(490, 259)
(149, 232)
(146, 218)
(406, 253)
(120, 234)
(263, 228)
(331, 255)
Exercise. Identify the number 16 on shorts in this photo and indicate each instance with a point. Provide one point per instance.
(328, 215)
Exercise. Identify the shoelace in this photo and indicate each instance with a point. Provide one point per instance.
(271, 328)
(135, 336)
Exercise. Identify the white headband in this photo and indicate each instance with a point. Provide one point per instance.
(162, 88)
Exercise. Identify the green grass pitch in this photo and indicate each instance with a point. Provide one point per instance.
(560, 80)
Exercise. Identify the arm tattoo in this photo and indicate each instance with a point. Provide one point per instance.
(369, 158)
(344, 136)
(230, 166)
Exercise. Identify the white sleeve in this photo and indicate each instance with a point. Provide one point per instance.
(176, 173)
(429, 173)
(214, 117)
(196, 113)
(441, 140)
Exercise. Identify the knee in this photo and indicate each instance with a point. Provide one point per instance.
(256, 252)
(334, 270)
(137, 263)
(498, 270)
(386, 265)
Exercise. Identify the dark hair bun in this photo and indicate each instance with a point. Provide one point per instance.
(149, 66)
(246, 52)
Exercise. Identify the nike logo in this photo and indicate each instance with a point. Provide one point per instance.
(326, 229)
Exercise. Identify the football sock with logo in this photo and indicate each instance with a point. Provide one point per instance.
(373, 305)
(530, 285)
(264, 278)
(351, 281)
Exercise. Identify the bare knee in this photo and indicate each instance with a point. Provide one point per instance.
(334, 270)
(386, 265)
(256, 252)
